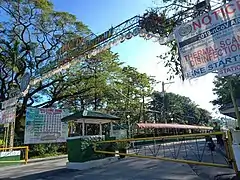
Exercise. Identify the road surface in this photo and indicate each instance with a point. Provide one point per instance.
(126, 169)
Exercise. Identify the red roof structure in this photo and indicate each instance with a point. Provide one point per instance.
(170, 126)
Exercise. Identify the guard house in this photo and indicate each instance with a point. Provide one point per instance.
(80, 152)
(85, 117)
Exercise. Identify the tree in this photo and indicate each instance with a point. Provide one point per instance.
(127, 94)
(177, 109)
(31, 33)
(222, 90)
(96, 73)
(227, 91)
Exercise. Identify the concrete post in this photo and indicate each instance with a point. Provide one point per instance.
(111, 129)
(83, 128)
(100, 129)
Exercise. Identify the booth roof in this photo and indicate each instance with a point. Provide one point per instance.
(91, 117)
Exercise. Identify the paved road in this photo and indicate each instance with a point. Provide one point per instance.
(126, 169)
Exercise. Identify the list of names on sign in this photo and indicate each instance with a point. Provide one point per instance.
(44, 126)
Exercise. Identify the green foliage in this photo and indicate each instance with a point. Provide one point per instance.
(44, 5)
(171, 60)
(222, 89)
(31, 33)
(122, 145)
(176, 14)
(177, 109)
(1, 143)
(44, 150)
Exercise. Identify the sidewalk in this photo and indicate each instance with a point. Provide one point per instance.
(47, 158)
(37, 161)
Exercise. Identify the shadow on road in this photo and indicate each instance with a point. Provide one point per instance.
(126, 169)
(62, 173)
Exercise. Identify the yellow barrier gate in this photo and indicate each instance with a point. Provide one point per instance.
(190, 149)
(8, 151)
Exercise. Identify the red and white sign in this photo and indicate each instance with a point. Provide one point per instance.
(210, 42)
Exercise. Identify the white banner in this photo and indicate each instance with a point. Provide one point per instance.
(8, 115)
(44, 126)
(211, 42)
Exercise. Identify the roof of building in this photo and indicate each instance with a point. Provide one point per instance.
(90, 117)
(171, 126)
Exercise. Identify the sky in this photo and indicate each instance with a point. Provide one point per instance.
(100, 15)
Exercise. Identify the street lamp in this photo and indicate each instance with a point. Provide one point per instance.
(129, 128)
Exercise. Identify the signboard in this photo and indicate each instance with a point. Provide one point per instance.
(119, 134)
(82, 45)
(9, 102)
(211, 42)
(44, 126)
(68, 51)
(8, 115)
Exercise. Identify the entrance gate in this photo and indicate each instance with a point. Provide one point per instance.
(192, 148)
(189, 148)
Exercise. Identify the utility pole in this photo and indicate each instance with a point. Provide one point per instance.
(155, 114)
(163, 108)
(143, 106)
(163, 95)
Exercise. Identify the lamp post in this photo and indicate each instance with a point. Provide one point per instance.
(163, 95)
(129, 126)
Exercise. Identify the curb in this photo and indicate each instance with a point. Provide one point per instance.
(47, 159)
(29, 164)
(33, 162)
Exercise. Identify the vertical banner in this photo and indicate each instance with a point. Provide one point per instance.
(44, 125)
(211, 42)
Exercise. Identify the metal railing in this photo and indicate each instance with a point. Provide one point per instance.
(10, 149)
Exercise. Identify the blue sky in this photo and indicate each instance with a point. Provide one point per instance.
(100, 15)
